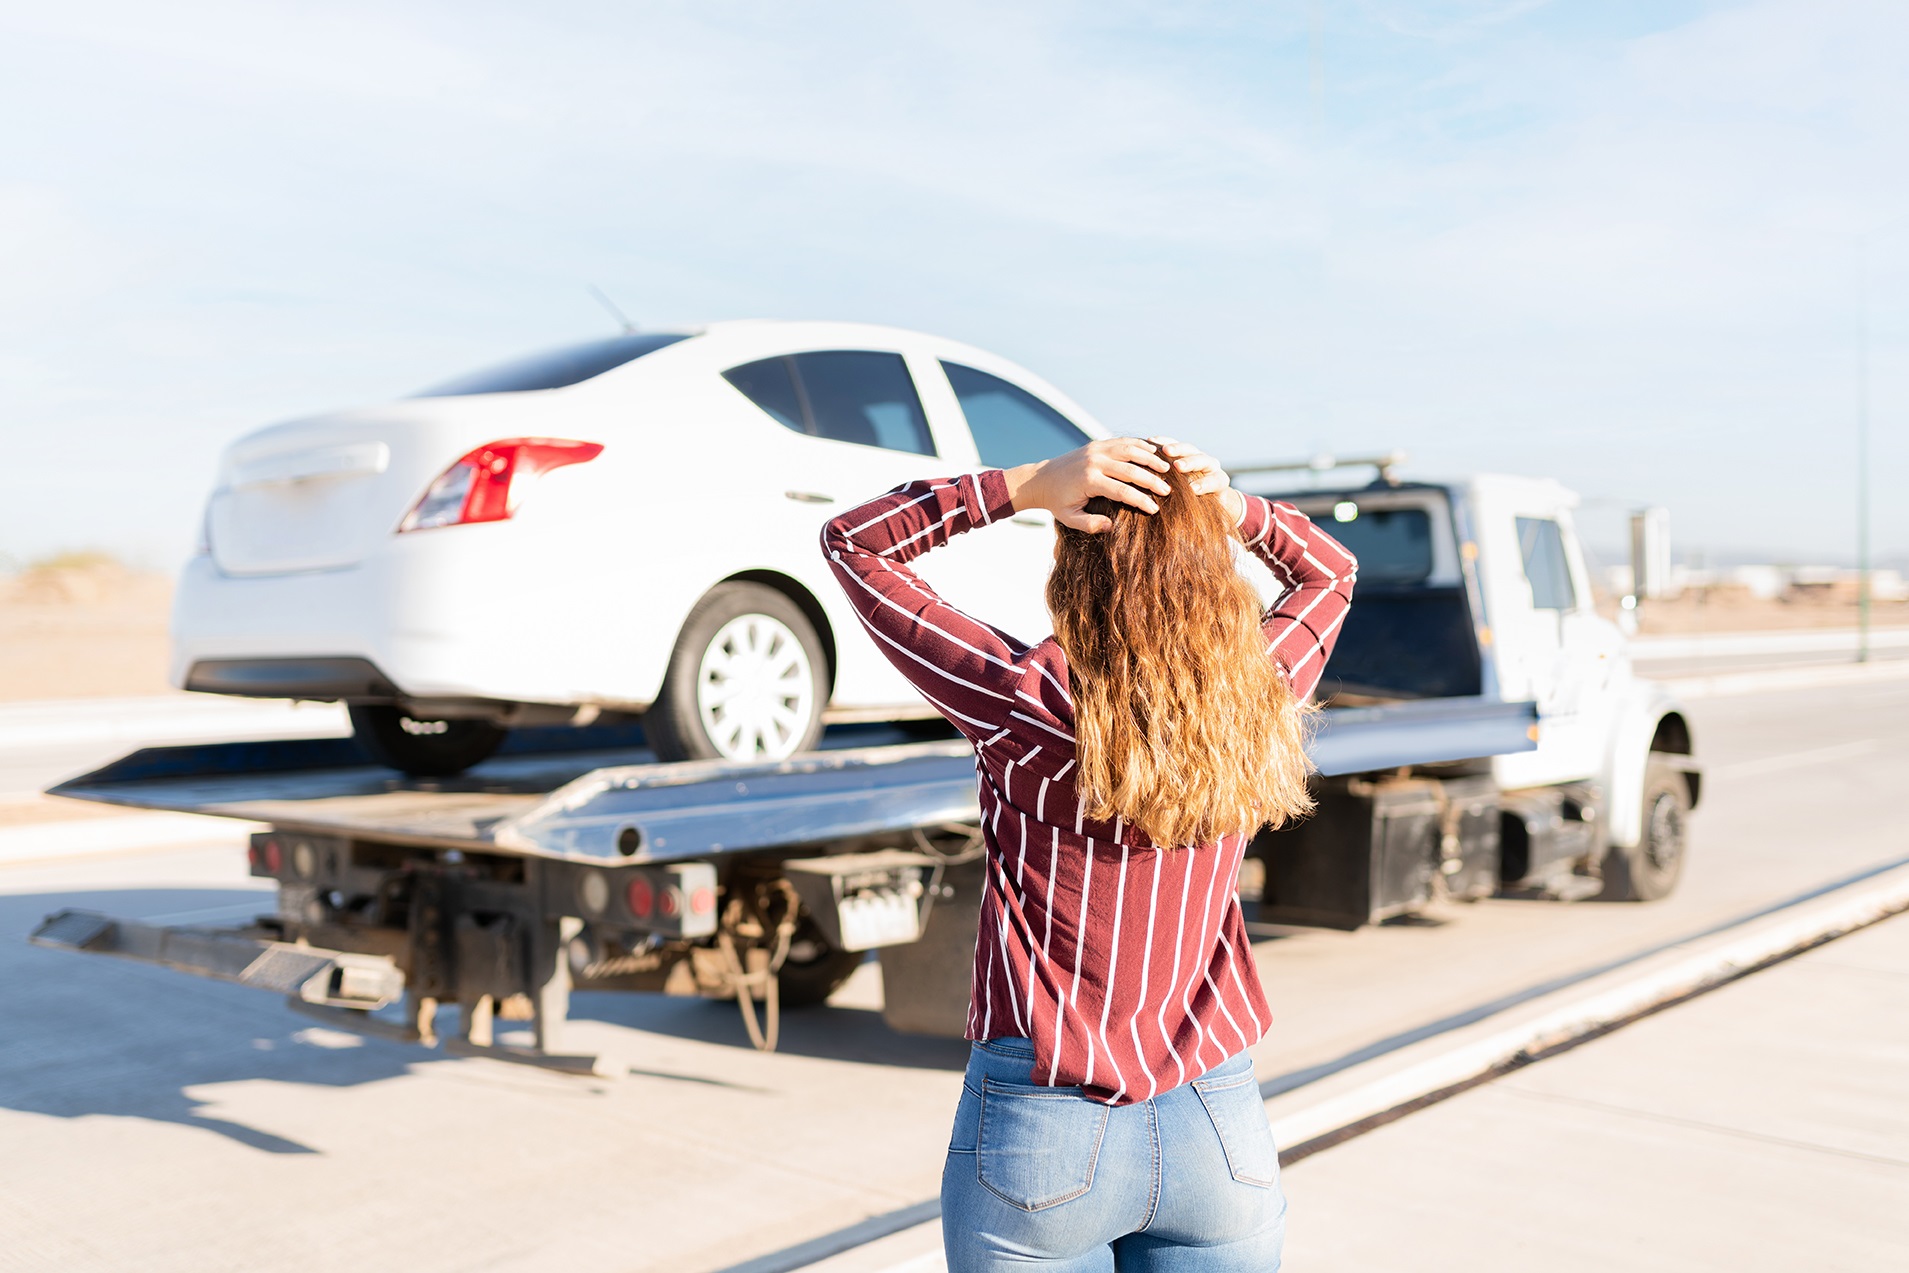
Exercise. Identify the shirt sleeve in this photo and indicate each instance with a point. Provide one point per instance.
(1317, 574)
(967, 669)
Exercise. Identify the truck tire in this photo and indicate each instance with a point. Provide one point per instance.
(422, 746)
(1651, 869)
(747, 680)
(814, 969)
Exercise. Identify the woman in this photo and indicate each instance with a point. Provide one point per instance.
(1109, 1117)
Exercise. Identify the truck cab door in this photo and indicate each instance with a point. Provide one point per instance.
(1552, 651)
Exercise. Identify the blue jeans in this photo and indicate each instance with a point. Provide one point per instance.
(1043, 1177)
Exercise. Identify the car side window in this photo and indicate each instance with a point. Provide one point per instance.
(1010, 425)
(1541, 542)
(849, 395)
(863, 397)
(770, 384)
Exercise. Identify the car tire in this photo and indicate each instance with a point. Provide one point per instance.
(422, 746)
(747, 679)
(1650, 870)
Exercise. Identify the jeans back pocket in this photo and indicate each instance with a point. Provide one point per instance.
(1239, 1116)
(1038, 1148)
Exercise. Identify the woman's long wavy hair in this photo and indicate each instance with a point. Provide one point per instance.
(1185, 727)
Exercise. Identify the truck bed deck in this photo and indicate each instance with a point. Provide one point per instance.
(554, 794)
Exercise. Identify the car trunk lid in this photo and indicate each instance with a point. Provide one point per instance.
(324, 493)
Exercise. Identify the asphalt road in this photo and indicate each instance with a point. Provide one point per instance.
(159, 1122)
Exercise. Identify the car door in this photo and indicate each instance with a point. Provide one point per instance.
(862, 431)
(1000, 576)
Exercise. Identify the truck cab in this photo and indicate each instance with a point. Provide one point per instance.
(1478, 587)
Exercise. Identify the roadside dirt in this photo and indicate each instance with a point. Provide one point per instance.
(96, 631)
(99, 630)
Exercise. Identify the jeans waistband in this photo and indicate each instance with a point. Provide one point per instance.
(1011, 1060)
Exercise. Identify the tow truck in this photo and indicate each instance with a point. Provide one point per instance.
(1482, 733)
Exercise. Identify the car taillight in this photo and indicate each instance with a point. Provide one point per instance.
(488, 484)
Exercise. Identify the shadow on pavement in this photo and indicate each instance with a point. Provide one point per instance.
(93, 1035)
(827, 1032)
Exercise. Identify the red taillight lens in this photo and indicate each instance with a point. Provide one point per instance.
(642, 897)
(488, 484)
(267, 857)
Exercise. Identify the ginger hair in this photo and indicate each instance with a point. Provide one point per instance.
(1185, 725)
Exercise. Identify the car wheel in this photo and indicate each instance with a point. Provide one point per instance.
(1651, 870)
(745, 682)
(422, 746)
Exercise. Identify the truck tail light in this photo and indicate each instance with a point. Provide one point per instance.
(488, 483)
(268, 857)
(676, 899)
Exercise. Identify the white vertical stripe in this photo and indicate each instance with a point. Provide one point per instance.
(1179, 941)
(1080, 944)
(1203, 951)
(1113, 961)
(1146, 963)
(1007, 957)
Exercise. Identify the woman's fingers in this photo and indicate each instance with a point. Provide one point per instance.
(1113, 488)
(1092, 523)
(1134, 475)
(1134, 451)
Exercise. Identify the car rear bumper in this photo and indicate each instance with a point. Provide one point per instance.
(416, 622)
(343, 679)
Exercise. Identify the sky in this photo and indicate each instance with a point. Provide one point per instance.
(1630, 244)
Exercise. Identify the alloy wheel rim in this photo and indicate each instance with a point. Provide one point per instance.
(755, 688)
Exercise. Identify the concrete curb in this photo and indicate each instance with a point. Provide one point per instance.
(133, 833)
(1303, 1123)
(1726, 684)
(163, 718)
(1781, 641)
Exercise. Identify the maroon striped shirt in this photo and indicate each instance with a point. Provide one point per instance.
(1126, 965)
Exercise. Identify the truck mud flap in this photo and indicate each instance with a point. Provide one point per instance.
(305, 974)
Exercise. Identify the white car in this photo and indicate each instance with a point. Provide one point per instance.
(628, 526)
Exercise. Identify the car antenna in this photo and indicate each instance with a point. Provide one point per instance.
(629, 328)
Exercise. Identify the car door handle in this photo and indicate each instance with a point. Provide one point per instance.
(809, 497)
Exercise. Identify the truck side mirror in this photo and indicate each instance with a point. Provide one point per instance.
(1650, 554)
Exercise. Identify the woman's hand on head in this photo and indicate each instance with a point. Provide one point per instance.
(1123, 469)
(1203, 474)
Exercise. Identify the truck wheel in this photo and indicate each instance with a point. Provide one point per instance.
(745, 681)
(1651, 869)
(422, 746)
(814, 969)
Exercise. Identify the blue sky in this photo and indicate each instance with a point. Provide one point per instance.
(1606, 241)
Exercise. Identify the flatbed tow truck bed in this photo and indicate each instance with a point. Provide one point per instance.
(551, 866)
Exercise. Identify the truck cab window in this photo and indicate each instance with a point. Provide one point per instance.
(1010, 425)
(1541, 543)
(1393, 545)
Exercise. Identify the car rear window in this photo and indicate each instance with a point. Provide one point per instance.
(555, 368)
